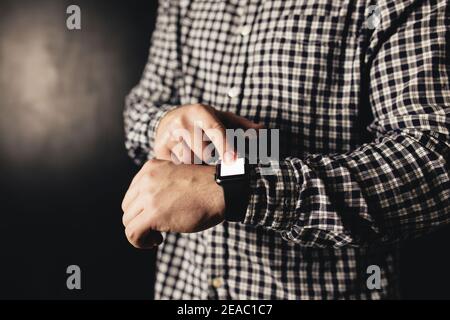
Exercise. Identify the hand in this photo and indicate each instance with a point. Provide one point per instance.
(164, 197)
(176, 137)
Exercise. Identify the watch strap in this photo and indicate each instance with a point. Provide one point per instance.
(237, 194)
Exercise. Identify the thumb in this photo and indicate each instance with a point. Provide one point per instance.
(233, 121)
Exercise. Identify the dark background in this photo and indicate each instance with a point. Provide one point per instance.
(63, 167)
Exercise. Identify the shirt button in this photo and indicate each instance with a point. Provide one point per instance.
(184, 3)
(217, 282)
(245, 30)
(240, 11)
(234, 92)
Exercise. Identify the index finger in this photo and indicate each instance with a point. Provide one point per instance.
(216, 132)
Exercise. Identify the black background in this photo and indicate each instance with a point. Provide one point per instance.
(63, 167)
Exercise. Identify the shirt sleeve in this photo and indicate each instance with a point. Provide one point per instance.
(156, 93)
(391, 189)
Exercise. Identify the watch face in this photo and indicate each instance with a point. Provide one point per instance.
(234, 168)
(230, 171)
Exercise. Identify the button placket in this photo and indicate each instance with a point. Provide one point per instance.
(243, 31)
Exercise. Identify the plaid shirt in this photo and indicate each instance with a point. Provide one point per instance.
(364, 116)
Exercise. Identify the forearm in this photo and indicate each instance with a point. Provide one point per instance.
(396, 187)
(141, 121)
(392, 189)
(157, 91)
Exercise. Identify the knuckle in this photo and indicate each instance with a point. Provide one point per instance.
(147, 165)
(150, 163)
(152, 169)
(215, 125)
(201, 111)
(198, 107)
(182, 131)
(131, 235)
(134, 238)
(124, 221)
(178, 122)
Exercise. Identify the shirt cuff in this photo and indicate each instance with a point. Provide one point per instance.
(274, 193)
(154, 122)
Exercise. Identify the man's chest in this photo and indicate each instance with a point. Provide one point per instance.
(294, 65)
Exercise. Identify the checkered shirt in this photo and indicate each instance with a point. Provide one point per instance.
(361, 97)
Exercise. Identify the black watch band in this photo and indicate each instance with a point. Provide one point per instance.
(236, 189)
(237, 194)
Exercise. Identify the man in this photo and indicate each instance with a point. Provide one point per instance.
(360, 92)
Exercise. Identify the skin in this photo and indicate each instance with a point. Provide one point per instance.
(171, 195)
(181, 123)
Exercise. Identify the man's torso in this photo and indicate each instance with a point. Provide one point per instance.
(295, 66)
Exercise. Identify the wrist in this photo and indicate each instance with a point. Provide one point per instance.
(164, 118)
(215, 198)
(233, 178)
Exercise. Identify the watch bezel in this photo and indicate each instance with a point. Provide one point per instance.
(238, 177)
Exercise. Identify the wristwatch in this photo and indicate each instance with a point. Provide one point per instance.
(234, 178)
